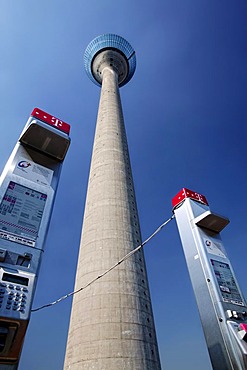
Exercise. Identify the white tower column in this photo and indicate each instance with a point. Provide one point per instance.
(111, 323)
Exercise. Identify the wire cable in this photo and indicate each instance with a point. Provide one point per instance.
(107, 271)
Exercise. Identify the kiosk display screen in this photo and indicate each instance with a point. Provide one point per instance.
(15, 279)
(21, 211)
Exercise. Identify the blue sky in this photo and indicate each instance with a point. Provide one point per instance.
(185, 114)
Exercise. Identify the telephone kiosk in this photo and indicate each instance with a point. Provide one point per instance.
(27, 190)
(220, 302)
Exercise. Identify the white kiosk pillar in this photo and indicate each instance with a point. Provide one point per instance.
(27, 190)
(221, 305)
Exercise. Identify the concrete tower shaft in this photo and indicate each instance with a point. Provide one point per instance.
(111, 323)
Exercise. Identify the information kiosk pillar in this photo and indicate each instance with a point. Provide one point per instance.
(27, 190)
(221, 305)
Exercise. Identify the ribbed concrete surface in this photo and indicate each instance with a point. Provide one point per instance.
(111, 325)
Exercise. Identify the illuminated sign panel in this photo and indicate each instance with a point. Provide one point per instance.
(51, 120)
(21, 211)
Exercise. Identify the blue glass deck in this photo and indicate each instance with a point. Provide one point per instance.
(110, 41)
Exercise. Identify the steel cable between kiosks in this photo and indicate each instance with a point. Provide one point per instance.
(106, 271)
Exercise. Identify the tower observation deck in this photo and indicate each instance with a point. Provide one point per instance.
(111, 324)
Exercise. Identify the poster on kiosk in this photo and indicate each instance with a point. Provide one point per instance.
(27, 190)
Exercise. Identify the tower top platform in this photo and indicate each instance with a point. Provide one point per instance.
(113, 50)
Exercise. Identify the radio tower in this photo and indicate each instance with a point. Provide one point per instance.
(111, 324)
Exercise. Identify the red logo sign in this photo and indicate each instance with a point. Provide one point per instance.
(51, 120)
(186, 193)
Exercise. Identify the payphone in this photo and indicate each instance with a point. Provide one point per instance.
(220, 302)
(27, 190)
